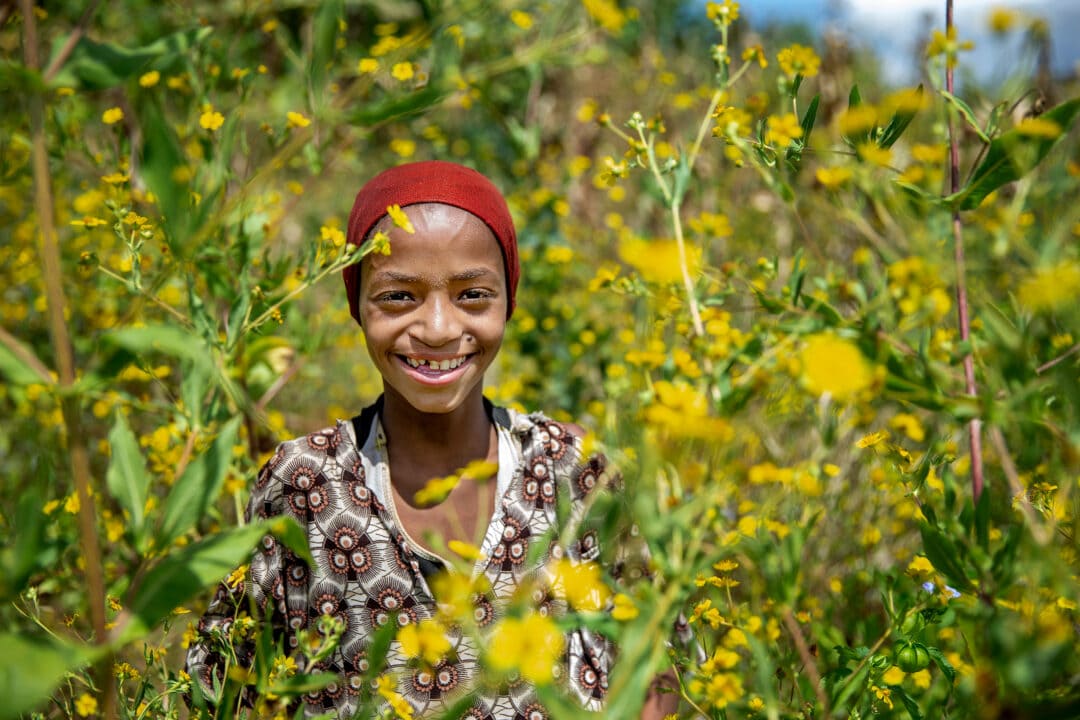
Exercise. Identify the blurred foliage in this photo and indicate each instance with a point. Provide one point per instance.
(739, 273)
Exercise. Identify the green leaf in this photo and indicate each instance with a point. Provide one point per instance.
(324, 40)
(1013, 155)
(181, 575)
(967, 113)
(898, 125)
(97, 66)
(170, 340)
(942, 553)
(160, 161)
(126, 477)
(944, 665)
(196, 489)
(31, 668)
(809, 118)
(910, 705)
(795, 150)
(14, 366)
(27, 552)
(395, 106)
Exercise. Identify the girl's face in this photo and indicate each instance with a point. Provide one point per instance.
(434, 309)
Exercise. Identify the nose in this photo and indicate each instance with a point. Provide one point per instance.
(437, 322)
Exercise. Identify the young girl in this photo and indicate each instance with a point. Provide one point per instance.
(433, 312)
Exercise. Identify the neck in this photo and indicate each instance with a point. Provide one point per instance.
(425, 445)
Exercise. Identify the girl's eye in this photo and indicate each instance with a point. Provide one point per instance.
(395, 296)
(476, 294)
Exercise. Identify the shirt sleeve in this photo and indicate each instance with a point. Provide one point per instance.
(225, 635)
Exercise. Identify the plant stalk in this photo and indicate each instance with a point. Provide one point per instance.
(970, 386)
(78, 453)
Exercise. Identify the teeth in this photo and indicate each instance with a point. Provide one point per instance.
(437, 364)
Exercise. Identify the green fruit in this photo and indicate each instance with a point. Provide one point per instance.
(912, 657)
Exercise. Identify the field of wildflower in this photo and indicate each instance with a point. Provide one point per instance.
(825, 327)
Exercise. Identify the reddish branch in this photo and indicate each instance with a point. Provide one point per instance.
(975, 425)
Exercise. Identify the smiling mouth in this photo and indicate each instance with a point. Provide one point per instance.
(428, 365)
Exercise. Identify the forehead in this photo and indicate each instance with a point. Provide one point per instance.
(446, 239)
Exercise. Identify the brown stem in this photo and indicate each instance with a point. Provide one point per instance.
(975, 424)
(78, 452)
(280, 383)
(185, 454)
(1063, 356)
(21, 351)
(71, 42)
(810, 666)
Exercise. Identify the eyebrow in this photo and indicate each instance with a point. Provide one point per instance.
(393, 276)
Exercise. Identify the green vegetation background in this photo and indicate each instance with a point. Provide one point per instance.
(740, 272)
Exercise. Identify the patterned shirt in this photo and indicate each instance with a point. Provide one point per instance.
(336, 484)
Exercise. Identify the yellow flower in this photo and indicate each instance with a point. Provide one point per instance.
(945, 43)
(403, 147)
(884, 695)
(872, 439)
(402, 71)
(296, 120)
(211, 120)
(607, 14)
(929, 154)
(531, 645)
(367, 66)
(150, 79)
(799, 60)
(832, 178)
(920, 566)
(657, 261)
(333, 235)
(426, 640)
(581, 585)
(834, 365)
(873, 153)
(909, 425)
(1002, 20)
(1039, 127)
(236, 577)
(72, 504)
(468, 551)
(1050, 288)
(722, 13)
(522, 19)
(436, 490)
(783, 130)
(111, 116)
(400, 219)
(858, 119)
(624, 609)
(756, 52)
(385, 687)
(86, 705)
(380, 243)
(893, 676)
(558, 255)
(722, 689)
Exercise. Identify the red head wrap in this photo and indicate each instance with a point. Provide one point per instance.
(433, 181)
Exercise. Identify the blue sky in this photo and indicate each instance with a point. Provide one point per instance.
(891, 27)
